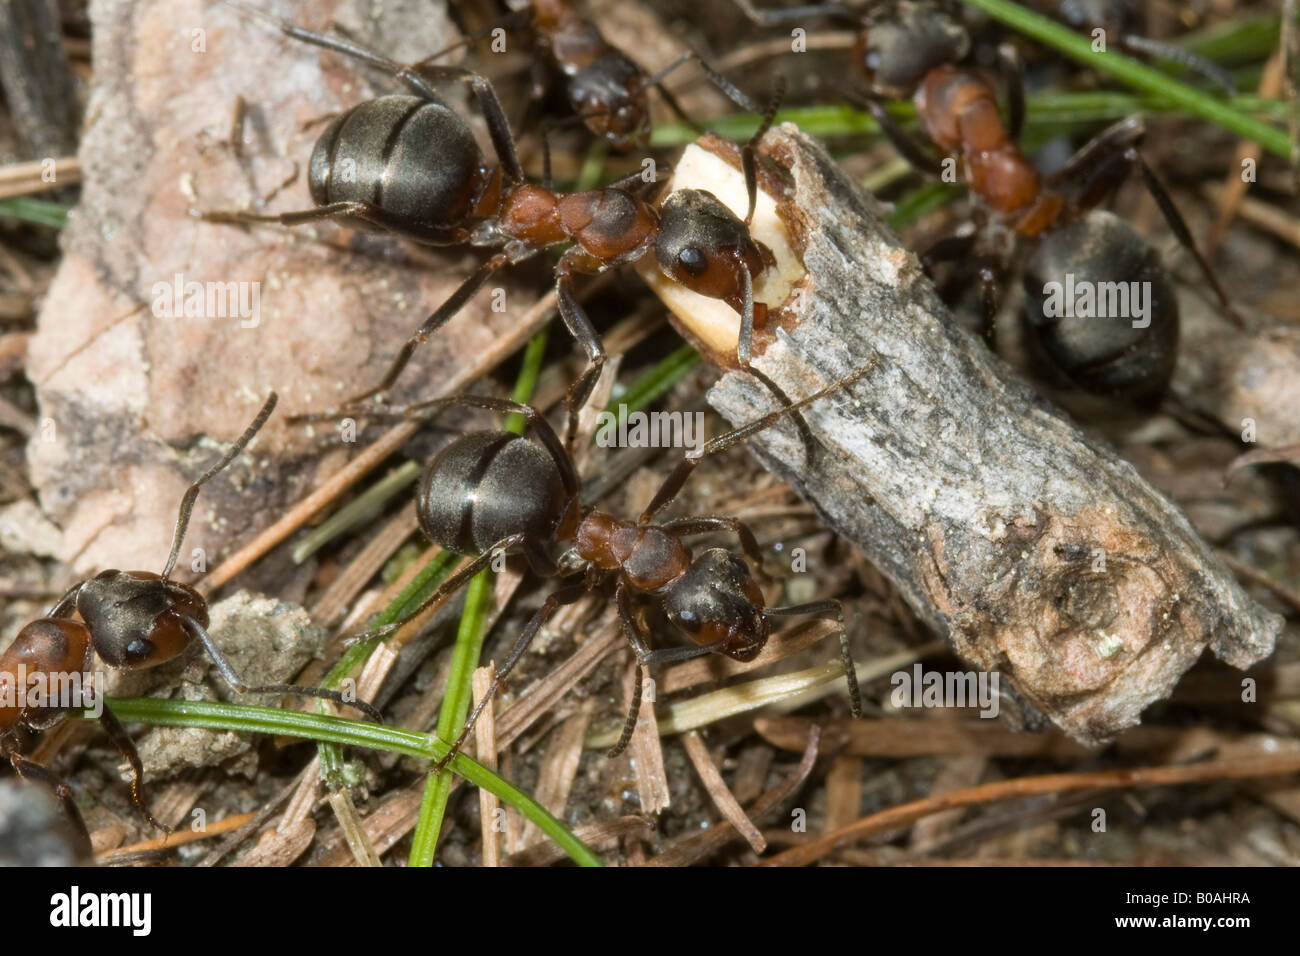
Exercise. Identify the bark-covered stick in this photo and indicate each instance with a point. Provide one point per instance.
(1040, 553)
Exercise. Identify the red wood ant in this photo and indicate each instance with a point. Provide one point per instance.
(605, 88)
(132, 620)
(420, 174)
(491, 493)
(916, 48)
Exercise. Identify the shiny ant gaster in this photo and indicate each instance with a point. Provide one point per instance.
(132, 620)
(419, 173)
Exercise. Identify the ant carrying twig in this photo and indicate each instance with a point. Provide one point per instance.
(131, 620)
(491, 493)
(417, 171)
(917, 49)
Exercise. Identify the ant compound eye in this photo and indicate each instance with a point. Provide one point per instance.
(693, 261)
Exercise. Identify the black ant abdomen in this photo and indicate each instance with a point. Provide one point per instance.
(486, 486)
(1129, 355)
(347, 166)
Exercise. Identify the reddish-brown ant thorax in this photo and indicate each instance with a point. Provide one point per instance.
(609, 224)
(532, 213)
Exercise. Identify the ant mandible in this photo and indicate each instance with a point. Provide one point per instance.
(490, 493)
(132, 620)
(916, 49)
(448, 196)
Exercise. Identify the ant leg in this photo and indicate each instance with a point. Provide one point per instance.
(584, 333)
(503, 141)
(948, 249)
(678, 476)
(433, 323)
(989, 283)
(657, 81)
(744, 349)
(450, 586)
(557, 599)
(1179, 227)
(356, 209)
(1101, 147)
(126, 747)
(533, 419)
(918, 155)
(415, 77)
(1167, 51)
(706, 523)
(237, 683)
(192, 492)
(846, 652)
(1014, 71)
(631, 630)
(68, 603)
(31, 770)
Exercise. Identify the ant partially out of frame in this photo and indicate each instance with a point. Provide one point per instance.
(919, 49)
(419, 173)
(493, 492)
(131, 620)
(605, 88)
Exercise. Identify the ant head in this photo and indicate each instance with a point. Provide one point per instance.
(137, 618)
(894, 50)
(610, 98)
(718, 601)
(1101, 309)
(703, 245)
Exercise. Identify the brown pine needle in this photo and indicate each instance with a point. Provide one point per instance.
(717, 787)
(178, 838)
(909, 813)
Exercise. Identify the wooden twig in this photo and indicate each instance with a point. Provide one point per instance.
(1040, 553)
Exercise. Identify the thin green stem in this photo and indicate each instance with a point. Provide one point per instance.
(211, 715)
(42, 212)
(468, 649)
(361, 509)
(1135, 74)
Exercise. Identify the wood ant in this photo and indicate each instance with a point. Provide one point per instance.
(916, 49)
(418, 172)
(605, 88)
(490, 493)
(131, 620)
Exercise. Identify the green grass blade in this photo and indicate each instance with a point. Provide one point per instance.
(323, 728)
(469, 646)
(1134, 74)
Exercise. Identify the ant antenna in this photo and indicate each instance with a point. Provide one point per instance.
(192, 492)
